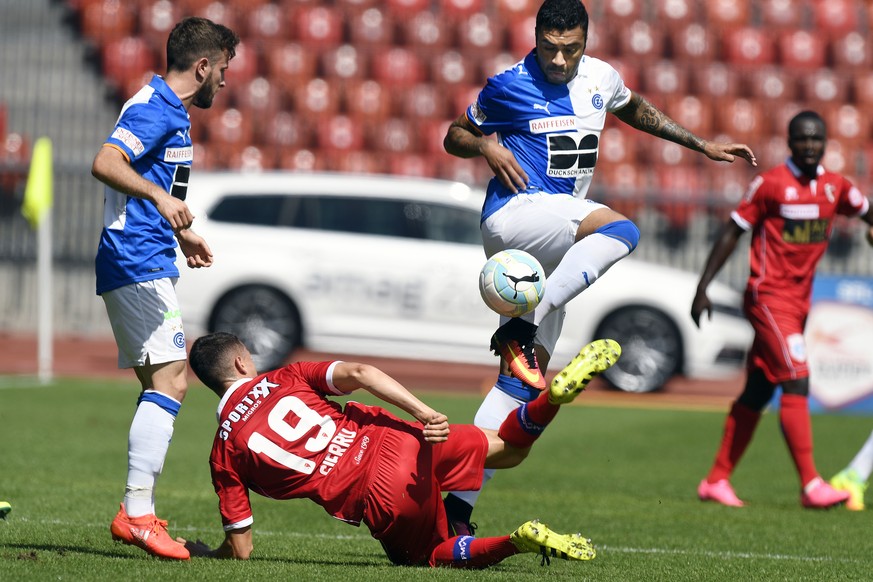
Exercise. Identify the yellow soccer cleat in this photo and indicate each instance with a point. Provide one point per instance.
(592, 360)
(5, 508)
(848, 480)
(536, 538)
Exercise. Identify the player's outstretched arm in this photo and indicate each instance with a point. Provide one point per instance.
(237, 544)
(642, 115)
(349, 376)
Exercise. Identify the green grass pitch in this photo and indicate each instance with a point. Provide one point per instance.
(624, 477)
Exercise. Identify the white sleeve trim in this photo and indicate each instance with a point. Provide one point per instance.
(329, 378)
(745, 225)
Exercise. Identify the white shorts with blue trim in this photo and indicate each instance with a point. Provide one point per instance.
(146, 322)
(544, 225)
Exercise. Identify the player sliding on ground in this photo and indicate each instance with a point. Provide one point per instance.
(280, 436)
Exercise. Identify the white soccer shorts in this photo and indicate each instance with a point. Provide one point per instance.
(146, 322)
(544, 225)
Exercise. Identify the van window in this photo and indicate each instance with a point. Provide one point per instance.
(368, 216)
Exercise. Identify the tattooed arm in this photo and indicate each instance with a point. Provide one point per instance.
(642, 115)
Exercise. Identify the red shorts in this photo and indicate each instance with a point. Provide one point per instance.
(779, 349)
(404, 507)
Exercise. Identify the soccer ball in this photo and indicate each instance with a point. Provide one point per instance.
(512, 282)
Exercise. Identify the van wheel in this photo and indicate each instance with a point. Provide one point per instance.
(266, 321)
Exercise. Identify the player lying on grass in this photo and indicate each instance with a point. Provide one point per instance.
(280, 436)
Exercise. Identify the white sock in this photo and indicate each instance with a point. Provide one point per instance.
(583, 263)
(147, 444)
(471, 497)
(862, 464)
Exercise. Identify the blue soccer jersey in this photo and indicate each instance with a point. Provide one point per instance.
(552, 130)
(137, 243)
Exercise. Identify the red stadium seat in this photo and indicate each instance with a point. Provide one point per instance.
(423, 101)
(682, 190)
(462, 98)
(863, 81)
(156, 19)
(433, 132)
(728, 183)
(425, 30)
(229, 126)
(676, 14)
(520, 36)
(773, 150)
(373, 26)
(481, 35)
(629, 72)
(642, 42)
(617, 146)
(601, 41)
(344, 62)
(452, 68)
(357, 6)
(716, 80)
(693, 112)
(246, 157)
(14, 160)
(853, 51)
(848, 124)
(623, 12)
(727, 14)
(398, 67)
(836, 17)
(665, 78)
(694, 43)
(259, 100)
(357, 163)
(319, 26)
(127, 59)
(222, 12)
(403, 9)
(801, 49)
(266, 23)
(772, 83)
(290, 64)
(340, 134)
(626, 185)
(741, 119)
(825, 87)
(468, 171)
(748, 46)
(514, 9)
(780, 116)
(244, 66)
(836, 157)
(496, 64)
(288, 130)
(107, 20)
(302, 160)
(459, 10)
(783, 14)
(317, 98)
(367, 99)
(416, 165)
(395, 135)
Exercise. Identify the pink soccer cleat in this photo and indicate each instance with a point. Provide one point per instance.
(818, 494)
(720, 492)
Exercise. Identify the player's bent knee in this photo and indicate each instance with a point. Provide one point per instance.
(623, 231)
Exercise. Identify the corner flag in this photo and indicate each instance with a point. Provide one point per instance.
(38, 192)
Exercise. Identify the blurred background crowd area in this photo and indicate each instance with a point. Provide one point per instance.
(372, 85)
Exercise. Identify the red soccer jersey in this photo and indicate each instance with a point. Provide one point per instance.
(791, 218)
(280, 437)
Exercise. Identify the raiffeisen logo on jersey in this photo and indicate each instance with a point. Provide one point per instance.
(550, 124)
(185, 154)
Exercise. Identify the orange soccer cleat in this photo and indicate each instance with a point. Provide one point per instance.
(149, 533)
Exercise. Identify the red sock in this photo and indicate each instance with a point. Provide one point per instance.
(472, 553)
(526, 423)
(738, 430)
(797, 430)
